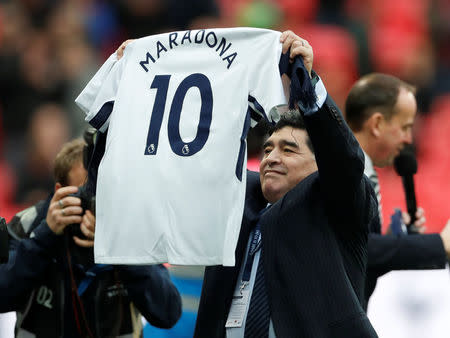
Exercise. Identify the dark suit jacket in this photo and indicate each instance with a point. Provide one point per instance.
(407, 252)
(314, 244)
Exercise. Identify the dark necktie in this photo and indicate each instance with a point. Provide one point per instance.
(258, 316)
(376, 187)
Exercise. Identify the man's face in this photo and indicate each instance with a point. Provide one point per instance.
(287, 160)
(77, 175)
(396, 132)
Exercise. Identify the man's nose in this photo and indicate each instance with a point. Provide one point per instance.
(274, 156)
(408, 138)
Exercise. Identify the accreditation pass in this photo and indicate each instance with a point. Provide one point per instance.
(238, 308)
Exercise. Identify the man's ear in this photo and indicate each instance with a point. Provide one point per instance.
(57, 186)
(375, 124)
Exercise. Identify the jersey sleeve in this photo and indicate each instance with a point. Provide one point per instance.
(97, 98)
(266, 87)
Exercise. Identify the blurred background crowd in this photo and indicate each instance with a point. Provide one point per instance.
(49, 49)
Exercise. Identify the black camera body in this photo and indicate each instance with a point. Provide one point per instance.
(87, 203)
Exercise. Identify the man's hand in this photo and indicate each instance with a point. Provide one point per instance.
(121, 49)
(87, 227)
(298, 46)
(445, 235)
(419, 223)
(64, 210)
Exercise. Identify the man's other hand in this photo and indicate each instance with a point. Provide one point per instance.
(87, 227)
(419, 223)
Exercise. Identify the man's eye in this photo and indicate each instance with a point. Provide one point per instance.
(267, 150)
(287, 150)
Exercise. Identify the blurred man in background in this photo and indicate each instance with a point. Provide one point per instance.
(380, 109)
(51, 279)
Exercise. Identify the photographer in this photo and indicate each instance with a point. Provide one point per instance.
(51, 279)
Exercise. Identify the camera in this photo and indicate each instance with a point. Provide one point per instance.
(79, 254)
(87, 203)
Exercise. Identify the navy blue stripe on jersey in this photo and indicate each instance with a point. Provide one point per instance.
(256, 106)
(94, 162)
(102, 116)
(240, 161)
(284, 66)
(254, 115)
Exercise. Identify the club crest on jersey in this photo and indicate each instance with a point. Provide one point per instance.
(151, 148)
(185, 149)
(210, 39)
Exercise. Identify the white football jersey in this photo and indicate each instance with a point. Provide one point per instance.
(177, 106)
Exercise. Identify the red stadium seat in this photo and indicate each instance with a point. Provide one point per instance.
(298, 11)
(434, 136)
(406, 15)
(7, 189)
(7, 183)
(398, 31)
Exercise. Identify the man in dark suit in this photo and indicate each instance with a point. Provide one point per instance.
(380, 109)
(300, 264)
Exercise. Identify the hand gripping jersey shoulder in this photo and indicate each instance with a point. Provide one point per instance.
(177, 107)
